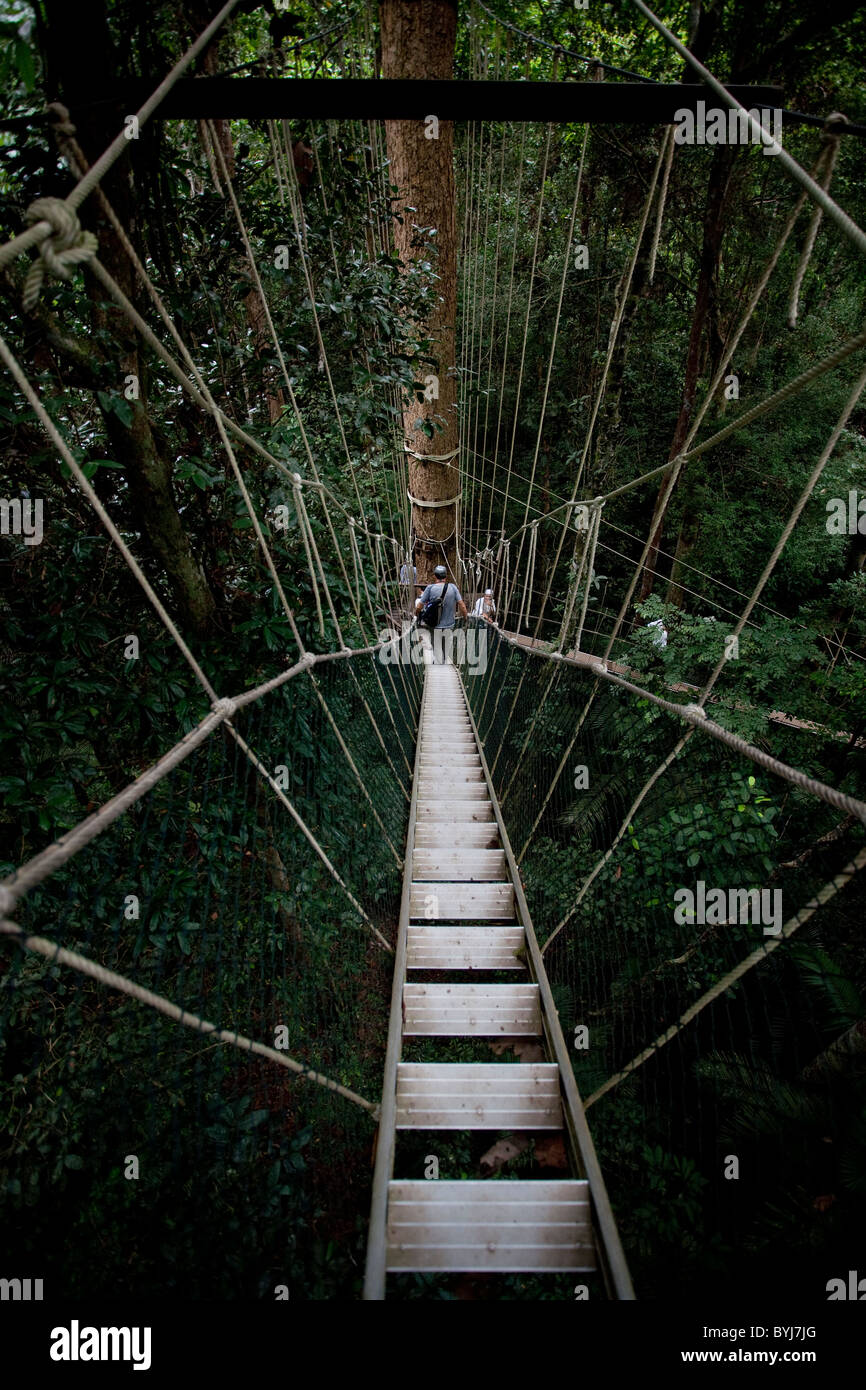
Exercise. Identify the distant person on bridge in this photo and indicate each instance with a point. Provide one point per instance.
(659, 634)
(485, 607)
(437, 610)
(408, 580)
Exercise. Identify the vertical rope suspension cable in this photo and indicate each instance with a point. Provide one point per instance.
(829, 152)
(566, 266)
(590, 570)
(529, 297)
(612, 341)
(507, 334)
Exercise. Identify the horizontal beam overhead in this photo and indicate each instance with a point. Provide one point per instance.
(271, 98)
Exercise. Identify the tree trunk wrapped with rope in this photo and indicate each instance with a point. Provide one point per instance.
(418, 42)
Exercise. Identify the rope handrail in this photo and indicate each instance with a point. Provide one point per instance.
(35, 870)
(40, 945)
(694, 715)
(732, 976)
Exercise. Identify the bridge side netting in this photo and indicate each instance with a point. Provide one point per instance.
(676, 1087)
(208, 893)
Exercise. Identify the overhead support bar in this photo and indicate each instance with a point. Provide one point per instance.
(349, 98)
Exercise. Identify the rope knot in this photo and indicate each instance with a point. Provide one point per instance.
(66, 247)
(695, 711)
(58, 117)
(226, 707)
(308, 659)
(834, 123)
(7, 900)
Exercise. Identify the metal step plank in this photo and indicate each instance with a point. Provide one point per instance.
(437, 729)
(465, 948)
(443, 752)
(447, 1011)
(441, 786)
(459, 833)
(451, 759)
(478, 1096)
(461, 902)
(454, 864)
(455, 1227)
(450, 762)
(446, 813)
(546, 1196)
(448, 736)
(447, 775)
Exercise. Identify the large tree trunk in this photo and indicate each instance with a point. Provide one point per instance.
(418, 42)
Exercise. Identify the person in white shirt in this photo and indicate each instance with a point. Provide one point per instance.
(485, 607)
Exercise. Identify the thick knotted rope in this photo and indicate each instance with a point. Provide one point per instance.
(68, 246)
(58, 117)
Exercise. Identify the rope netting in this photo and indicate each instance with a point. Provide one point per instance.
(693, 877)
(207, 893)
(698, 916)
(535, 408)
(237, 871)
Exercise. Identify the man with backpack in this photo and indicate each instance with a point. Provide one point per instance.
(437, 610)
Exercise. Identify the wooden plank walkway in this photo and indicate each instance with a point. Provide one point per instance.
(464, 914)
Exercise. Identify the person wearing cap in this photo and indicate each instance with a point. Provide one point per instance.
(452, 604)
(485, 606)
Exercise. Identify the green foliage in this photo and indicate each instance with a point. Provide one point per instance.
(714, 839)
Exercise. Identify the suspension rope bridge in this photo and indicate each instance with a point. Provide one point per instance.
(445, 774)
